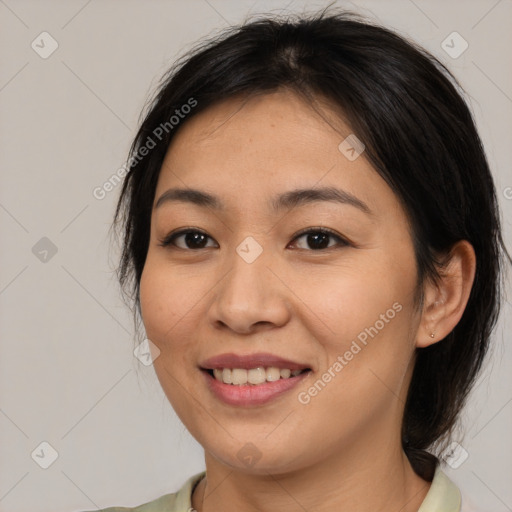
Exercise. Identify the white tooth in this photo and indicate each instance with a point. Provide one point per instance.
(227, 377)
(239, 376)
(273, 374)
(256, 375)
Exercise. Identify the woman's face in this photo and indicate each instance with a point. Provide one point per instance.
(249, 283)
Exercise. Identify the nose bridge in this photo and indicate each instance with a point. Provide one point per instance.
(249, 293)
(248, 268)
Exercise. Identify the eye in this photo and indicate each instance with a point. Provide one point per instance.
(193, 239)
(318, 238)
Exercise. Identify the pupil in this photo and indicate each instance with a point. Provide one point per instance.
(192, 238)
(315, 239)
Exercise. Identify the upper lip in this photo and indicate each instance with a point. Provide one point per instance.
(249, 361)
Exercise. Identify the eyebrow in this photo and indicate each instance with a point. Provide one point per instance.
(287, 200)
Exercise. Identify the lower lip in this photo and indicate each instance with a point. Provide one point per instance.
(249, 394)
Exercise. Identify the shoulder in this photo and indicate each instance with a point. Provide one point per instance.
(180, 501)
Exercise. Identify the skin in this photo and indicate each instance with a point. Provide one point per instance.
(342, 451)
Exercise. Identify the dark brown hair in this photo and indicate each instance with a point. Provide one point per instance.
(405, 106)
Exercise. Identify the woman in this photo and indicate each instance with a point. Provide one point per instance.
(312, 241)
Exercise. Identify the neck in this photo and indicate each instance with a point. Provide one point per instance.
(344, 482)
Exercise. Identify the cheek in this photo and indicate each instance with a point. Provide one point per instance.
(153, 302)
(369, 310)
(367, 357)
(165, 297)
(163, 306)
(353, 298)
(165, 309)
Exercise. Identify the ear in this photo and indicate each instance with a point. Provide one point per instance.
(446, 301)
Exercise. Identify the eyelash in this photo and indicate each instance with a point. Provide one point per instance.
(169, 239)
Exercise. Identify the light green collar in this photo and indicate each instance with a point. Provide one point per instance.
(443, 495)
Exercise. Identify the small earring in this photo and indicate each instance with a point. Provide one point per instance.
(432, 335)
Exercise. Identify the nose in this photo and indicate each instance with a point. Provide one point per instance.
(250, 297)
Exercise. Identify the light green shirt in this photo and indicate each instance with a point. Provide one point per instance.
(443, 496)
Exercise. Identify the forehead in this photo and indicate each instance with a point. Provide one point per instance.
(278, 120)
(249, 149)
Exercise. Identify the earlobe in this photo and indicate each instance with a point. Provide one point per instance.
(445, 301)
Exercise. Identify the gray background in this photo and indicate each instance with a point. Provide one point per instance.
(68, 375)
